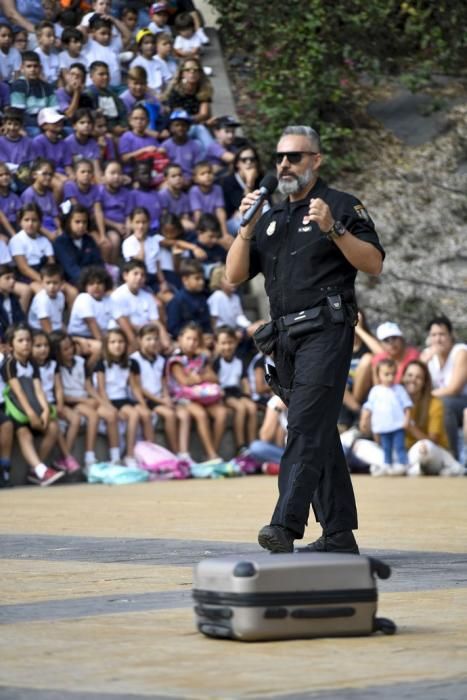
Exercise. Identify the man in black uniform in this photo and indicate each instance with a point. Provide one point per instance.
(309, 249)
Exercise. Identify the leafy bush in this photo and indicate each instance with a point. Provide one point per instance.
(308, 62)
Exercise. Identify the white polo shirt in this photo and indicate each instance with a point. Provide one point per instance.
(152, 251)
(86, 307)
(33, 249)
(139, 308)
(74, 378)
(151, 372)
(43, 306)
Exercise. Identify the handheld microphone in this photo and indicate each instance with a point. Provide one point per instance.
(266, 187)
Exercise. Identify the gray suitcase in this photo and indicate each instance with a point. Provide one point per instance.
(288, 596)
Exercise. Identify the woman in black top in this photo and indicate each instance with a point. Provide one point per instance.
(246, 177)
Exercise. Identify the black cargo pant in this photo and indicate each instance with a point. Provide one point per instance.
(313, 469)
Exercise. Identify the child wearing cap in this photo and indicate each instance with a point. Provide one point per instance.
(29, 93)
(395, 348)
(146, 44)
(53, 147)
(180, 149)
(159, 13)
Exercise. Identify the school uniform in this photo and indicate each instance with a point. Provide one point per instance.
(43, 306)
(74, 378)
(115, 205)
(86, 307)
(230, 374)
(150, 200)
(16, 152)
(14, 369)
(206, 202)
(48, 372)
(47, 203)
(151, 373)
(35, 250)
(76, 254)
(117, 381)
(131, 247)
(139, 308)
(10, 64)
(186, 155)
(50, 63)
(11, 313)
(93, 51)
(153, 71)
(227, 310)
(78, 150)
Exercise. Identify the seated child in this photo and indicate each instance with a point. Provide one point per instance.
(115, 202)
(208, 198)
(189, 303)
(260, 390)
(115, 375)
(164, 56)
(50, 63)
(72, 96)
(180, 148)
(137, 143)
(72, 41)
(159, 13)
(80, 395)
(145, 195)
(208, 238)
(75, 249)
(82, 144)
(10, 57)
(11, 312)
(29, 93)
(189, 367)
(91, 313)
(234, 382)
(16, 150)
(19, 371)
(221, 152)
(105, 99)
(141, 246)
(97, 48)
(48, 305)
(41, 194)
(104, 138)
(174, 200)
(29, 249)
(138, 93)
(53, 390)
(188, 43)
(225, 305)
(9, 204)
(82, 191)
(50, 145)
(132, 306)
(154, 387)
(146, 47)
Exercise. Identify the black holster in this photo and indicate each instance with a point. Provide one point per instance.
(272, 378)
(265, 338)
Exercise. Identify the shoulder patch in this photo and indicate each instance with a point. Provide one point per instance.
(271, 228)
(362, 213)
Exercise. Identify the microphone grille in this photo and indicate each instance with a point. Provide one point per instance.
(269, 183)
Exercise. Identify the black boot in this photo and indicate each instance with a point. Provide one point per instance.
(276, 539)
(343, 542)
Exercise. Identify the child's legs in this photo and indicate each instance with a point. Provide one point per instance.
(130, 415)
(104, 245)
(399, 446)
(201, 417)
(88, 347)
(144, 416)
(49, 440)
(92, 420)
(6, 439)
(219, 413)
(24, 292)
(252, 419)
(73, 419)
(26, 445)
(170, 425)
(110, 415)
(239, 416)
(115, 242)
(386, 444)
(184, 419)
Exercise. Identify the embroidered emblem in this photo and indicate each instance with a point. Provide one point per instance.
(305, 229)
(362, 213)
(271, 228)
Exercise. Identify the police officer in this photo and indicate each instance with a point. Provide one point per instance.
(309, 248)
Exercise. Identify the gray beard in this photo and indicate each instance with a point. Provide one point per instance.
(297, 185)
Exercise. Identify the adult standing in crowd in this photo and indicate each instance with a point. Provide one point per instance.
(447, 362)
(245, 178)
(309, 248)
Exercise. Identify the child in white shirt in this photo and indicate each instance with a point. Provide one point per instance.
(50, 63)
(48, 305)
(187, 43)
(146, 44)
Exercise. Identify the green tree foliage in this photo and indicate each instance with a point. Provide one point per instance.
(307, 61)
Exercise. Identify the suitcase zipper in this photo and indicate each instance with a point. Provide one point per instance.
(250, 600)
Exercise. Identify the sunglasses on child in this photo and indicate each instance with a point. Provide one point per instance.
(293, 157)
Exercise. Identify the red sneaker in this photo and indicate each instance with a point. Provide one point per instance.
(270, 468)
(49, 477)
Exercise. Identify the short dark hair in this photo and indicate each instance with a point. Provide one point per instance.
(94, 273)
(132, 264)
(30, 56)
(50, 270)
(190, 267)
(440, 321)
(14, 114)
(184, 21)
(70, 33)
(80, 66)
(98, 64)
(127, 10)
(80, 113)
(228, 330)
(44, 24)
(39, 162)
(98, 21)
(147, 329)
(209, 222)
(31, 206)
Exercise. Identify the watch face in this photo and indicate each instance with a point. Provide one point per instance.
(339, 228)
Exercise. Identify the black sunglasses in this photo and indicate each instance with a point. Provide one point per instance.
(293, 157)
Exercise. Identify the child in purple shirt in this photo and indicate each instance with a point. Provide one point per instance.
(103, 137)
(115, 201)
(40, 193)
(82, 143)
(143, 195)
(15, 150)
(9, 204)
(172, 197)
(82, 191)
(180, 148)
(206, 197)
(138, 92)
(137, 142)
(51, 146)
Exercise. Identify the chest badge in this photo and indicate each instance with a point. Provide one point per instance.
(271, 228)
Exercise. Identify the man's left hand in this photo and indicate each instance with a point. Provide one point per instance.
(319, 211)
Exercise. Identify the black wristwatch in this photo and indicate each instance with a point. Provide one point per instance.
(336, 231)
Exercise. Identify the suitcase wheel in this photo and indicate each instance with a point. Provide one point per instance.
(379, 568)
(384, 625)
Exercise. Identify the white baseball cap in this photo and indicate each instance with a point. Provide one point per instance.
(388, 330)
(49, 115)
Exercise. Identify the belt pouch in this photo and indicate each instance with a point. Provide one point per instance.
(303, 322)
(272, 379)
(265, 338)
(336, 310)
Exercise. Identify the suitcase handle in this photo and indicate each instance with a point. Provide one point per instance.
(379, 568)
(384, 625)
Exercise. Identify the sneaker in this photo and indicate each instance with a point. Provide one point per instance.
(131, 462)
(270, 468)
(379, 469)
(276, 539)
(414, 470)
(49, 477)
(343, 542)
(397, 469)
(68, 464)
(454, 470)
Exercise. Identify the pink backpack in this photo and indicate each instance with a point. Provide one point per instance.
(160, 462)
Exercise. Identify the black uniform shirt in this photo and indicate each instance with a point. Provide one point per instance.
(301, 266)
